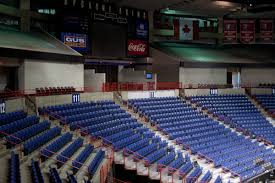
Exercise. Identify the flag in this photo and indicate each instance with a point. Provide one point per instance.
(188, 29)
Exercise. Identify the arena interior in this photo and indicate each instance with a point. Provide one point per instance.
(137, 91)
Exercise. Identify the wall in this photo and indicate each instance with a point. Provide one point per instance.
(66, 99)
(37, 73)
(203, 75)
(261, 91)
(108, 40)
(94, 80)
(15, 104)
(251, 76)
(166, 67)
(198, 92)
(126, 95)
(3, 78)
(131, 75)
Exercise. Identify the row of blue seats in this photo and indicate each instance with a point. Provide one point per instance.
(11, 117)
(72, 112)
(55, 108)
(74, 106)
(56, 145)
(73, 118)
(82, 157)
(96, 162)
(54, 176)
(18, 125)
(194, 175)
(206, 178)
(70, 150)
(37, 176)
(27, 133)
(97, 120)
(36, 142)
(14, 169)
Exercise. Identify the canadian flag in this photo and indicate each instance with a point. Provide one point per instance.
(188, 29)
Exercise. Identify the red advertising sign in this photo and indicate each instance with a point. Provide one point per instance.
(176, 28)
(247, 31)
(266, 29)
(137, 48)
(230, 30)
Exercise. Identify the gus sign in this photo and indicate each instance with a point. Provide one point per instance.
(137, 48)
(78, 42)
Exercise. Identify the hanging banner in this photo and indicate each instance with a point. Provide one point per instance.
(142, 29)
(78, 42)
(230, 31)
(188, 29)
(176, 28)
(247, 31)
(137, 48)
(266, 30)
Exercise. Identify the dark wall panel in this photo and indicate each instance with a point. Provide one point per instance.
(108, 40)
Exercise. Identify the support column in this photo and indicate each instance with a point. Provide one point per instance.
(151, 24)
(220, 31)
(25, 15)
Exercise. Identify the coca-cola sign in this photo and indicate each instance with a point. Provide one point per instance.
(137, 48)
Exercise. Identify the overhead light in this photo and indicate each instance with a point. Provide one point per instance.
(223, 3)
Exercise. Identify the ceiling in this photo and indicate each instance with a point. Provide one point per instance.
(212, 8)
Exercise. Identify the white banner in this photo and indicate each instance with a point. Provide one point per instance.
(152, 94)
(186, 29)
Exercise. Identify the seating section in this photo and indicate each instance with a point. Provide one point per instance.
(20, 124)
(96, 162)
(27, 133)
(203, 136)
(56, 145)
(108, 121)
(37, 176)
(38, 141)
(55, 90)
(11, 117)
(240, 113)
(14, 169)
(267, 102)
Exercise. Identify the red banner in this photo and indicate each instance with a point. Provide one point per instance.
(247, 31)
(137, 47)
(230, 31)
(176, 28)
(266, 30)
